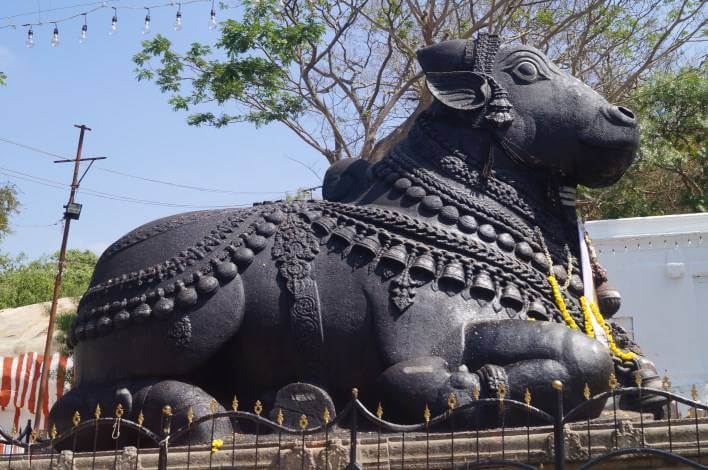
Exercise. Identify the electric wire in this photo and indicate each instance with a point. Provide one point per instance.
(101, 6)
(101, 194)
(142, 178)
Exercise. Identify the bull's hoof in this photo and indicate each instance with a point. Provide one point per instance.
(142, 401)
(302, 399)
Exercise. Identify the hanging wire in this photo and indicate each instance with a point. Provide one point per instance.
(149, 180)
(100, 6)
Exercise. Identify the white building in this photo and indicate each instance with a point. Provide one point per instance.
(660, 266)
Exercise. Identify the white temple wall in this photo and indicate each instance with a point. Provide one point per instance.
(660, 266)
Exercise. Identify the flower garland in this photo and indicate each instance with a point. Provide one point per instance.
(624, 355)
(560, 302)
(589, 330)
(586, 307)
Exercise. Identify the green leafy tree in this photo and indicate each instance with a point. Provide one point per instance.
(342, 75)
(671, 172)
(9, 204)
(25, 282)
(3, 78)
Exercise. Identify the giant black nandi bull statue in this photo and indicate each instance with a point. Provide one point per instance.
(422, 275)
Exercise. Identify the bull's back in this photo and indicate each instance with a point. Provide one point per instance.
(162, 298)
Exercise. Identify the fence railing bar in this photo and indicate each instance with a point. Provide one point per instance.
(572, 414)
(641, 450)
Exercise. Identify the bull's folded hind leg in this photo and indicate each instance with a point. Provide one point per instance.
(141, 400)
(531, 355)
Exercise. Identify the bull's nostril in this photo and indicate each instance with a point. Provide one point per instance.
(626, 112)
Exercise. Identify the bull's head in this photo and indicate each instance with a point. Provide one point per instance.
(539, 114)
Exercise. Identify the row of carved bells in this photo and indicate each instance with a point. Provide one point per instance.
(424, 267)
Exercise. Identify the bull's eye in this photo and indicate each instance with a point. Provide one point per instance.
(526, 71)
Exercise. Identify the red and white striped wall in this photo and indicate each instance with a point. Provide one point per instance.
(19, 387)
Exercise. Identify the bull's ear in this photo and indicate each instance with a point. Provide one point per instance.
(461, 90)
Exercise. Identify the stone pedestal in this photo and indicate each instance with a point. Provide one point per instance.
(409, 452)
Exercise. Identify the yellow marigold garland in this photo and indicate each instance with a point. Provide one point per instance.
(589, 330)
(561, 303)
(570, 321)
(624, 355)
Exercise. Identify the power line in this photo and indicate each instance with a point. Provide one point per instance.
(142, 178)
(68, 7)
(104, 195)
(186, 186)
(100, 6)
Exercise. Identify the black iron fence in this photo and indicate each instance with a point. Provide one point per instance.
(356, 424)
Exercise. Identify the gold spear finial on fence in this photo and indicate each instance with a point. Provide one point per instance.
(379, 411)
(76, 419)
(258, 407)
(451, 401)
(234, 404)
(355, 393)
(33, 436)
(475, 392)
(167, 410)
(586, 391)
(190, 415)
(527, 396)
(141, 418)
(119, 411)
(13, 431)
(97, 412)
(279, 417)
(213, 406)
(612, 382)
(426, 415)
(303, 422)
(665, 381)
(557, 385)
(326, 417)
(694, 392)
(638, 378)
(53, 432)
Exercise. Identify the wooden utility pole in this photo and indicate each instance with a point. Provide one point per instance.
(72, 211)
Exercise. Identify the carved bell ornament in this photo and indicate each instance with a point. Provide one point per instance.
(369, 245)
(396, 254)
(346, 233)
(512, 297)
(609, 299)
(537, 310)
(325, 225)
(423, 266)
(454, 272)
(483, 285)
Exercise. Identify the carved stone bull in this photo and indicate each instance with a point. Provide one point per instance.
(414, 278)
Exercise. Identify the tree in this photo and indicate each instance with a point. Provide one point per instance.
(25, 283)
(9, 204)
(342, 74)
(3, 78)
(671, 172)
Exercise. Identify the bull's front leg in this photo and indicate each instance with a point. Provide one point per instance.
(512, 355)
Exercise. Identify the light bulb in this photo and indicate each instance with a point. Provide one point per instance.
(212, 19)
(55, 37)
(84, 31)
(30, 38)
(178, 21)
(114, 25)
(146, 25)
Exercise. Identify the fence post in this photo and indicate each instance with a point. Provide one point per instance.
(353, 432)
(164, 444)
(558, 438)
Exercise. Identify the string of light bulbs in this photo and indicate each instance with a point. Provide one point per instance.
(30, 41)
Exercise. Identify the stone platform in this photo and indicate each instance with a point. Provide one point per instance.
(412, 451)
